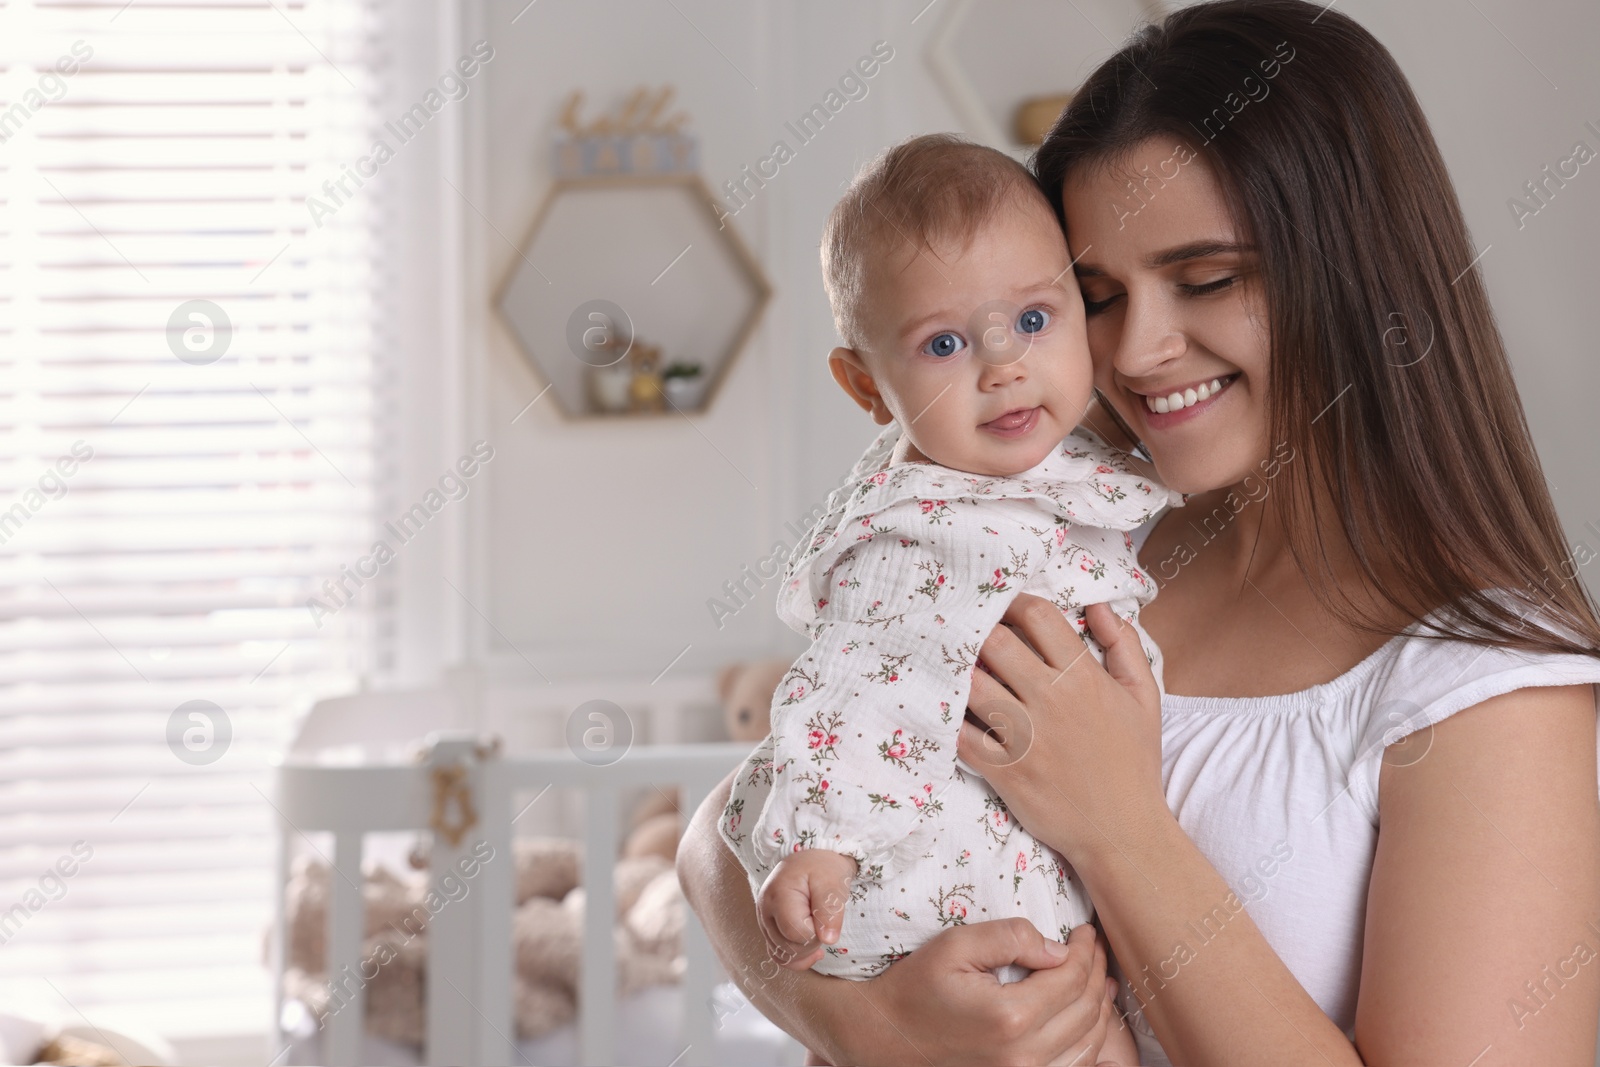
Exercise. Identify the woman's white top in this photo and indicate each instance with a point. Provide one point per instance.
(1281, 794)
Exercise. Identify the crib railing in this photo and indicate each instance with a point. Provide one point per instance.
(470, 952)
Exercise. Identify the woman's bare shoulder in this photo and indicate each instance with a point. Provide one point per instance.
(1166, 538)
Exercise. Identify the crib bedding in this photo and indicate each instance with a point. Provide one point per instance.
(647, 1036)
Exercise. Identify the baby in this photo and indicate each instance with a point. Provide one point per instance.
(953, 290)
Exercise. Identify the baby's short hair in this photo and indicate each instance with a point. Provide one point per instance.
(933, 188)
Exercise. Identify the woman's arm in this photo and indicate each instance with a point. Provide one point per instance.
(939, 1005)
(1090, 787)
(716, 886)
(1483, 916)
(1488, 870)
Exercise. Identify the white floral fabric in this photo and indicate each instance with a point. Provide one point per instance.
(903, 579)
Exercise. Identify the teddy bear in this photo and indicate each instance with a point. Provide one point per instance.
(395, 929)
(746, 691)
(547, 935)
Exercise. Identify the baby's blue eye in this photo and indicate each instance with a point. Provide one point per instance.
(944, 345)
(1033, 320)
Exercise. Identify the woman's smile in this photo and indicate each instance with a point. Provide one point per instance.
(1168, 407)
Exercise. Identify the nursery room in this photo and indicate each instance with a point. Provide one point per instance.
(457, 456)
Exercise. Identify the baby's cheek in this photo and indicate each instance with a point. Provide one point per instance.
(1075, 380)
(1101, 345)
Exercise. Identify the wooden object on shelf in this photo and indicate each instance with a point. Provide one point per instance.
(1035, 116)
(633, 139)
(645, 393)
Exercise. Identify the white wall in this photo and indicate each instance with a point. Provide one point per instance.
(600, 542)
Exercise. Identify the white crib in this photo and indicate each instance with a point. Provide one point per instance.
(353, 772)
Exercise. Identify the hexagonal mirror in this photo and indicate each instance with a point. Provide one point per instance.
(628, 298)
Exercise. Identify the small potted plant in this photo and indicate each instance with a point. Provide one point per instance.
(684, 384)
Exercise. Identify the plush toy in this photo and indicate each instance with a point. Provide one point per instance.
(547, 937)
(393, 941)
(654, 826)
(655, 835)
(548, 940)
(547, 867)
(746, 690)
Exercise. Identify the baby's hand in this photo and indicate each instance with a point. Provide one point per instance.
(1119, 1049)
(801, 906)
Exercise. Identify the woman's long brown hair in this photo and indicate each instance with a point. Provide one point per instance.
(1387, 371)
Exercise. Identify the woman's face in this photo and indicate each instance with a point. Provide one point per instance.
(1176, 313)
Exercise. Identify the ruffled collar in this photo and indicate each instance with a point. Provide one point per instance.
(1082, 480)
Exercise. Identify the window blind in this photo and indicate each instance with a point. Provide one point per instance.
(186, 436)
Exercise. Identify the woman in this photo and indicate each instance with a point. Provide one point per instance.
(1367, 607)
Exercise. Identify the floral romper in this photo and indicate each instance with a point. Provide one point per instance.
(900, 584)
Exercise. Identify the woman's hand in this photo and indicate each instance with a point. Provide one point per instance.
(942, 1003)
(1073, 748)
(939, 1005)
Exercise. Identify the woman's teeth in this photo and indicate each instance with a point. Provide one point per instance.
(1188, 398)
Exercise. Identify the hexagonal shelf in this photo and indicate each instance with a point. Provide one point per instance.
(622, 280)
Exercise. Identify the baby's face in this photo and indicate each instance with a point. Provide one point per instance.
(981, 355)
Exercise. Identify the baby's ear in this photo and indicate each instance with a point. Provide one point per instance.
(853, 377)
